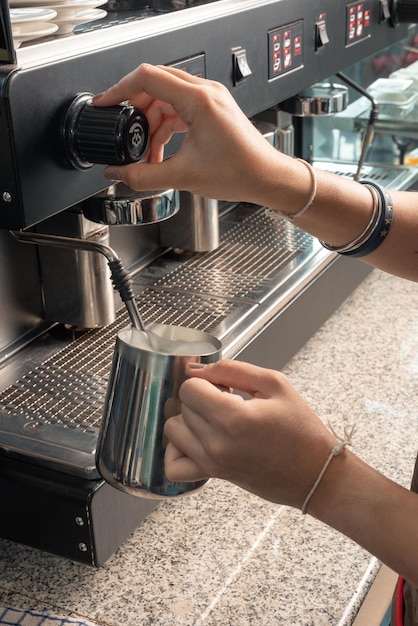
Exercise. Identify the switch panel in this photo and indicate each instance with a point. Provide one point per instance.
(240, 66)
(321, 34)
(384, 11)
(358, 21)
(285, 49)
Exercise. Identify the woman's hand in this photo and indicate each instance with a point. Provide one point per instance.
(271, 444)
(275, 446)
(223, 155)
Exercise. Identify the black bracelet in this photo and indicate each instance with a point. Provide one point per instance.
(377, 229)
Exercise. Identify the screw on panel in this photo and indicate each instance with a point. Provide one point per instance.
(82, 547)
(6, 196)
(79, 521)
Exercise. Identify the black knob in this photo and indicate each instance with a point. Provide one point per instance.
(114, 135)
(405, 11)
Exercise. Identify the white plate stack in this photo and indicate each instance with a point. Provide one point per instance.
(34, 19)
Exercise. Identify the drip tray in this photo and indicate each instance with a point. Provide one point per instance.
(52, 415)
(391, 176)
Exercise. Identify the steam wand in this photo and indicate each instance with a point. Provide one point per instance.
(374, 113)
(120, 277)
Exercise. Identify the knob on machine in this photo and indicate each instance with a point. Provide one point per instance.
(114, 135)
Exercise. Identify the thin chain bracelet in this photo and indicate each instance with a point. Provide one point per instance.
(341, 444)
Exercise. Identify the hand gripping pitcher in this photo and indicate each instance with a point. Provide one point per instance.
(147, 371)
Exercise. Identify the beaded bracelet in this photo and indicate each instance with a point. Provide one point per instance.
(376, 230)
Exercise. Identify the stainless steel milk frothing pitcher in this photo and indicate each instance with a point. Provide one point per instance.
(147, 371)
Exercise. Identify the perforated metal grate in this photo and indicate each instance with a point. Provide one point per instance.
(45, 412)
(393, 177)
(67, 389)
(245, 266)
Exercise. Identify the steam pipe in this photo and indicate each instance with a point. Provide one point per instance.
(374, 113)
(120, 277)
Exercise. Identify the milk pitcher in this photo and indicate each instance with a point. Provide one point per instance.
(147, 371)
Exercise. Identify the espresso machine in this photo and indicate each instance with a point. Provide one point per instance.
(234, 270)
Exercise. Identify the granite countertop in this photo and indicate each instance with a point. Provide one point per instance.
(227, 558)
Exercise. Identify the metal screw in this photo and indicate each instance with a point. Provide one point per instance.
(7, 197)
(79, 521)
(82, 547)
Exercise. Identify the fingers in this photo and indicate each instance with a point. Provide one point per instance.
(143, 176)
(163, 125)
(206, 404)
(216, 131)
(251, 379)
(160, 115)
(162, 119)
(203, 421)
(184, 457)
(179, 467)
(146, 83)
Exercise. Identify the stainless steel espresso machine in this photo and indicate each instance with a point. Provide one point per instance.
(236, 271)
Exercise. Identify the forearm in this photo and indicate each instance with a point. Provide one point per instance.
(372, 510)
(233, 161)
(341, 210)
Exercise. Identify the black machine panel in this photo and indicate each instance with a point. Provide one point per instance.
(264, 52)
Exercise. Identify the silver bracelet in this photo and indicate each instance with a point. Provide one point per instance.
(365, 234)
(309, 203)
(376, 233)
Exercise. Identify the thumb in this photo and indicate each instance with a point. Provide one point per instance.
(142, 176)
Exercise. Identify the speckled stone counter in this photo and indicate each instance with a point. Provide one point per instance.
(227, 558)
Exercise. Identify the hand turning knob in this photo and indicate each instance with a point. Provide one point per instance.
(405, 11)
(114, 135)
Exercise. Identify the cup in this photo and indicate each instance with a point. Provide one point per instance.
(147, 371)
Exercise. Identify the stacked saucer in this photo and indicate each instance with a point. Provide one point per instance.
(31, 23)
(33, 19)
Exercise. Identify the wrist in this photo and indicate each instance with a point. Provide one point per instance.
(293, 215)
(339, 210)
(341, 442)
(332, 495)
(286, 184)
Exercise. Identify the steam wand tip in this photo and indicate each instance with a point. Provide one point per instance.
(122, 282)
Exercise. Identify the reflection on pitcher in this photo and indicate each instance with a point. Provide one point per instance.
(147, 372)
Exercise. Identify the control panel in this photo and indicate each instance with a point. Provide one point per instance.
(285, 49)
(358, 21)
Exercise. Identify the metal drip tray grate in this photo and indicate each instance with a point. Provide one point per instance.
(53, 414)
(391, 176)
(257, 252)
